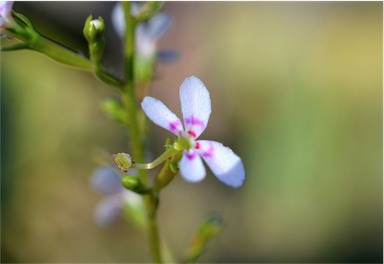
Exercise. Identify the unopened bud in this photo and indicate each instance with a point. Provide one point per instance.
(94, 33)
(123, 161)
(93, 29)
(133, 183)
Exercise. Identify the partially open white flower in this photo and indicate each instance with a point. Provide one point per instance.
(196, 109)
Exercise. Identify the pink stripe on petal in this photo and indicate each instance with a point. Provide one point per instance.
(223, 162)
(176, 127)
(161, 115)
(195, 105)
(194, 121)
(191, 166)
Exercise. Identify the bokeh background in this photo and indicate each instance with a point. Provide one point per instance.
(296, 89)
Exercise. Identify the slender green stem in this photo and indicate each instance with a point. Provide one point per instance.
(130, 104)
(163, 157)
(55, 51)
(61, 54)
(154, 239)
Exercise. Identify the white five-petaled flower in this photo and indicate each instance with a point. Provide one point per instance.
(196, 109)
(5, 13)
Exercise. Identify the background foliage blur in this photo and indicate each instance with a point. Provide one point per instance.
(296, 89)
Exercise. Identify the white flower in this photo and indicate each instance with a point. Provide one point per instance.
(5, 13)
(147, 33)
(196, 109)
(106, 180)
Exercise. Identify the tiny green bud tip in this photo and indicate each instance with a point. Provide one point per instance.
(122, 160)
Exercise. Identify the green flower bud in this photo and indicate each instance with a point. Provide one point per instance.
(132, 182)
(165, 176)
(93, 29)
(123, 161)
(94, 33)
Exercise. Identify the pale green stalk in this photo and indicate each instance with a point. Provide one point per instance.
(130, 104)
(55, 51)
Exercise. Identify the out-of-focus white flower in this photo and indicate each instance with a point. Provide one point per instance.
(196, 109)
(147, 33)
(106, 180)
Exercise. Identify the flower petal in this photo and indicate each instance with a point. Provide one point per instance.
(191, 166)
(5, 13)
(118, 17)
(108, 210)
(6, 8)
(168, 55)
(225, 164)
(195, 106)
(161, 115)
(157, 26)
(106, 180)
(118, 20)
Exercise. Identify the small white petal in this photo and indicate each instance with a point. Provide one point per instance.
(106, 180)
(5, 13)
(161, 115)
(157, 26)
(6, 9)
(191, 166)
(108, 210)
(225, 164)
(145, 45)
(118, 20)
(195, 106)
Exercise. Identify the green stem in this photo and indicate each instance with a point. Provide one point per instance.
(130, 104)
(154, 239)
(61, 54)
(163, 157)
(55, 51)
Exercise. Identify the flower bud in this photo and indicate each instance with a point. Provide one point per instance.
(93, 29)
(166, 175)
(123, 161)
(94, 33)
(132, 183)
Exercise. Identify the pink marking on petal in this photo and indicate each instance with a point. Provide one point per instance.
(210, 152)
(194, 121)
(175, 127)
(190, 156)
(191, 133)
(197, 145)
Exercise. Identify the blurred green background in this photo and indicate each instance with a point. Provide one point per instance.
(296, 89)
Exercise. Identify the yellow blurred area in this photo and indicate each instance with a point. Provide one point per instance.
(296, 91)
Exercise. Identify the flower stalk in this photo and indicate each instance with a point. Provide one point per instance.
(34, 41)
(130, 104)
